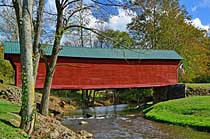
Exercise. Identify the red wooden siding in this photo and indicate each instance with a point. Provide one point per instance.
(80, 73)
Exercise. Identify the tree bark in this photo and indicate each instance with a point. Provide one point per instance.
(24, 19)
(46, 92)
(37, 34)
(50, 68)
(94, 96)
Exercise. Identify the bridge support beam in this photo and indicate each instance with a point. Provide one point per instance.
(169, 92)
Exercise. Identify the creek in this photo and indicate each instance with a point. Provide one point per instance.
(110, 122)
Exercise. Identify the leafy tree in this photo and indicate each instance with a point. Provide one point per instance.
(172, 30)
(145, 26)
(187, 40)
(115, 39)
(6, 70)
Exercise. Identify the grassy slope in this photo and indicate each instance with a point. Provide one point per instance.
(192, 111)
(9, 121)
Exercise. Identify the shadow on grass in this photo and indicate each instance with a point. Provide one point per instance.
(8, 123)
(16, 113)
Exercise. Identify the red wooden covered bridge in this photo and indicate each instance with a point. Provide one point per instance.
(97, 68)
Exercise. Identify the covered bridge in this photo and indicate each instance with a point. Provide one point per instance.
(97, 68)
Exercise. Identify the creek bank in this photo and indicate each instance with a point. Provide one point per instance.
(50, 128)
(45, 127)
(192, 111)
(58, 106)
(197, 91)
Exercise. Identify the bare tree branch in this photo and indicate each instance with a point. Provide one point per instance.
(5, 5)
(98, 32)
(68, 3)
(109, 4)
(64, 1)
(80, 9)
(79, 26)
(66, 20)
(46, 12)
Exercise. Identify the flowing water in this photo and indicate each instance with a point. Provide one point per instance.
(110, 123)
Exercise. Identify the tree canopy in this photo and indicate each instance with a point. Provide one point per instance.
(163, 24)
(114, 39)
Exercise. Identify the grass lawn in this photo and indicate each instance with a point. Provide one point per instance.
(192, 111)
(9, 121)
(198, 85)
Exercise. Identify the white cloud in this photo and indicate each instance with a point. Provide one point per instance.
(197, 23)
(118, 22)
(194, 8)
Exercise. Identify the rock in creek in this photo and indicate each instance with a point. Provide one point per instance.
(83, 123)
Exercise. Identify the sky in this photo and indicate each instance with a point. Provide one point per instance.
(115, 18)
(199, 10)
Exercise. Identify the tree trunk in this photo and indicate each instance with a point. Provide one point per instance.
(24, 19)
(46, 93)
(94, 96)
(51, 67)
(37, 34)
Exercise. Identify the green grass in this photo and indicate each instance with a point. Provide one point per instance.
(9, 121)
(192, 111)
(198, 85)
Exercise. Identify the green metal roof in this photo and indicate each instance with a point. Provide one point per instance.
(109, 53)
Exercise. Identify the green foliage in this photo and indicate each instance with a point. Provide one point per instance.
(75, 95)
(8, 129)
(167, 28)
(6, 70)
(199, 85)
(134, 95)
(115, 39)
(68, 94)
(192, 111)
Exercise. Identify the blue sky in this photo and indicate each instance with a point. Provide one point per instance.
(198, 9)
